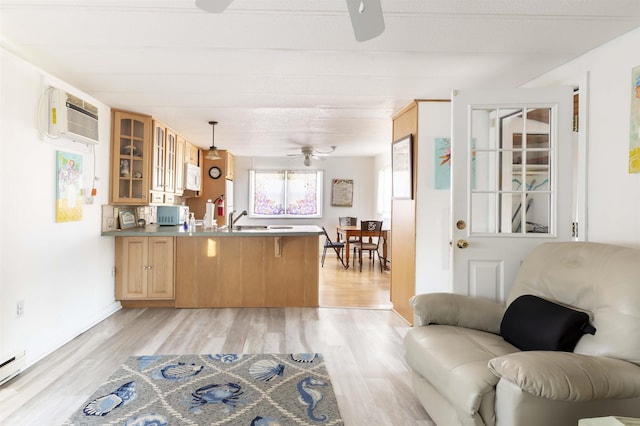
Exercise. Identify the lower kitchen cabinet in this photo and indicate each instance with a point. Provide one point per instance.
(145, 268)
(247, 271)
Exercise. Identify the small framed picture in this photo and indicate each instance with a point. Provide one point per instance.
(342, 192)
(402, 168)
(127, 218)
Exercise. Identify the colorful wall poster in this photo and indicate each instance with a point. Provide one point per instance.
(442, 164)
(634, 134)
(68, 187)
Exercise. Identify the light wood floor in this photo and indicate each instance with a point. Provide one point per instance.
(350, 288)
(362, 347)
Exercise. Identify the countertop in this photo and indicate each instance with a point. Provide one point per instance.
(238, 231)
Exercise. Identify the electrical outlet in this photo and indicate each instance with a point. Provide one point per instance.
(20, 308)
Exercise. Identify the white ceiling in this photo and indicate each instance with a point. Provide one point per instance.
(281, 74)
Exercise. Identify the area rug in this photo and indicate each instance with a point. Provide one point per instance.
(220, 389)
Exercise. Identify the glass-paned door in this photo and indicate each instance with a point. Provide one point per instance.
(511, 156)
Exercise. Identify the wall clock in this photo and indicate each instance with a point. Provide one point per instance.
(215, 172)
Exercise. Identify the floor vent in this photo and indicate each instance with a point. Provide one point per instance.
(11, 366)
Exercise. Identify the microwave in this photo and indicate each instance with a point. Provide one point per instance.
(192, 177)
(172, 215)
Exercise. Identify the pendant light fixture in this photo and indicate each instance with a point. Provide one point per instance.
(213, 153)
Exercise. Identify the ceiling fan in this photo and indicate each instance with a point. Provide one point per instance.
(366, 15)
(309, 152)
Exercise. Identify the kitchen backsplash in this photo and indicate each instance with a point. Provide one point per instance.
(110, 215)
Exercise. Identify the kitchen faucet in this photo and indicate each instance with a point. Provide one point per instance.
(232, 221)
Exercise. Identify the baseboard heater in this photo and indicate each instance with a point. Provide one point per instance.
(11, 366)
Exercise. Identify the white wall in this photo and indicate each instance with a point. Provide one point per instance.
(62, 271)
(613, 195)
(433, 273)
(361, 169)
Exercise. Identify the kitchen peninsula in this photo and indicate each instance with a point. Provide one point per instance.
(252, 266)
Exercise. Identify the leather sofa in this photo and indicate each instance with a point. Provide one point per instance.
(465, 373)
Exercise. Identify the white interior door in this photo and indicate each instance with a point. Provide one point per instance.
(511, 182)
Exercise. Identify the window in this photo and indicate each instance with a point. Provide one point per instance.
(512, 175)
(285, 193)
(384, 192)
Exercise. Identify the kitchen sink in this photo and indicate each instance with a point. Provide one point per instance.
(260, 227)
(250, 228)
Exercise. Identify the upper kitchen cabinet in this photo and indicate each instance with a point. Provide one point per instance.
(163, 182)
(229, 166)
(180, 160)
(192, 155)
(148, 160)
(159, 146)
(170, 164)
(131, 153)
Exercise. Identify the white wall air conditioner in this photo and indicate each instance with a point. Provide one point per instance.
(10, 366)
(71, 117)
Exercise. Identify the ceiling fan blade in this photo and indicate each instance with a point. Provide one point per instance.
(366, 18)
(213, 6)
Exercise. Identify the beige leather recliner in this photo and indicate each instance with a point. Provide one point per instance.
(465, 373)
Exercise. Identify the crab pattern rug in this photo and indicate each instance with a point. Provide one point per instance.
(218, 389)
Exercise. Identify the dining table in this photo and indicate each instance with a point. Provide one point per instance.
(345, 232)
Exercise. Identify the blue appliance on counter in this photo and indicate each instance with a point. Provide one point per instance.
(172, 215)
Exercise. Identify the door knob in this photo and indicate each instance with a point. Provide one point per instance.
(462, 244)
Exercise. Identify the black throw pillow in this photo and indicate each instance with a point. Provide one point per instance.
(532, 323)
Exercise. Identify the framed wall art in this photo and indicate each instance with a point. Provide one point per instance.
(342, 192)
(402, 168)
(127, 218)
(634, 132)
(68, 187)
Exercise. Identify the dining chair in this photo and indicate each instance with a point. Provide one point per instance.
(372, 243)
(350, 221)
(337, 246)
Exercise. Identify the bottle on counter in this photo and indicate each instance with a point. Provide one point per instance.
(192, 222)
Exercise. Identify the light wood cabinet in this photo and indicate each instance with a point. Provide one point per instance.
(164, 167)
(180, 160)
(170, 166)
(159, 147)
(145, 268)
(130, 158)
(148, 157)
(247, 271)
(192, 154)
(229, 165)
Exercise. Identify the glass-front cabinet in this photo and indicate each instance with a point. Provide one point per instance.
(170, 161)
(130, 152)
(147, 160)
(159, 148)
